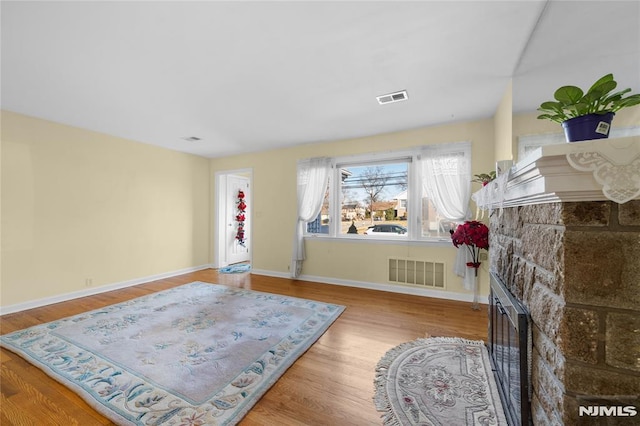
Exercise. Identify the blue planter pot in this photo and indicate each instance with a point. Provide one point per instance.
(588, 127)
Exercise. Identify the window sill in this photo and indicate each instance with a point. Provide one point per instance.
(362, 239)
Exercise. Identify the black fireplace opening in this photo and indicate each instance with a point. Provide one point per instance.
(509, 349)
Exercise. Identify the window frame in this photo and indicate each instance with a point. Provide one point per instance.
(335, 203)
(414, 197)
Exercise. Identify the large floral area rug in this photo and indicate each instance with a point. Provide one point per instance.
(198, 354)
(438, 381)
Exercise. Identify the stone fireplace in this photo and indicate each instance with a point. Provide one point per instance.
(573, 260)
(576, 268)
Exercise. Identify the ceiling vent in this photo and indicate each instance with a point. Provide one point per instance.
(393, 97)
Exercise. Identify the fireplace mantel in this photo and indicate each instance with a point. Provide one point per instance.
(568, 253)
(604, 169)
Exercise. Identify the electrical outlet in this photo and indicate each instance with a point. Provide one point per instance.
(88, 282)
(483, 256)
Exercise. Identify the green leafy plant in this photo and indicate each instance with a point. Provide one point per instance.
(572, 102)
(484, 178)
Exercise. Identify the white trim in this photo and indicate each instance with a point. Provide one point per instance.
(97, 290)
(437, 294)
(369, 239)
(376, 157)
(546, 176)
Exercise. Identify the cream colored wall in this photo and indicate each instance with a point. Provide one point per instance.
(80, 205)
(503, 126)
(274, 198)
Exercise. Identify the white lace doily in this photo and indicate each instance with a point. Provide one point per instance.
(618, 175)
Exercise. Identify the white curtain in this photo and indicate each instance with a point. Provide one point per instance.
(313, 175)
(446, 178)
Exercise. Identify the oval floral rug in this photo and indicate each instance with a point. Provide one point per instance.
(438, 381)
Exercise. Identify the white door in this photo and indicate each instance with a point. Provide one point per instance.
(237, 217)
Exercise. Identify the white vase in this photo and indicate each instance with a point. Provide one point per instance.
(471, 283)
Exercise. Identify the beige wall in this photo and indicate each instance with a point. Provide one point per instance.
(80, 205)
(503, 126)
(274, 198)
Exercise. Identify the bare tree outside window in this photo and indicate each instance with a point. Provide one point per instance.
(382, 190)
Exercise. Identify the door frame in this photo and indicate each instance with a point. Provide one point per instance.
(219, 207)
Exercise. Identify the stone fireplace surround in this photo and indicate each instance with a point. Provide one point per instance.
(575, 265)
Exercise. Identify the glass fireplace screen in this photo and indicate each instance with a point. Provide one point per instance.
(509, 350)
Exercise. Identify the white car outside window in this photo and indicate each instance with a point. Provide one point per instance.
(387, 230)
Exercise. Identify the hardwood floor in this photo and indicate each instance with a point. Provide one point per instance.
(331, 384)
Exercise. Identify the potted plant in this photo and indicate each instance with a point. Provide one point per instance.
(586, 116)
(484, 178)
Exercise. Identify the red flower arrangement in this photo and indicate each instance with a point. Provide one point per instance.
(474, 235)
(240, 218)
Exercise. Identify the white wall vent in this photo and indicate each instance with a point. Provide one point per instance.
(393, 97)
(417, 272)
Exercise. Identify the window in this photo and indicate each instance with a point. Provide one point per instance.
(371, 195)
(386, 196)
(321, 223)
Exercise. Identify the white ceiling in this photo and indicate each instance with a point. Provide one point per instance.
(251, 76)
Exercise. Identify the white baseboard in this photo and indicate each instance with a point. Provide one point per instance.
(392, 288)
(97, 290)
(439, 294)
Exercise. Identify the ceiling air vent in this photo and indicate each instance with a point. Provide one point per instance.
(393, 97)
